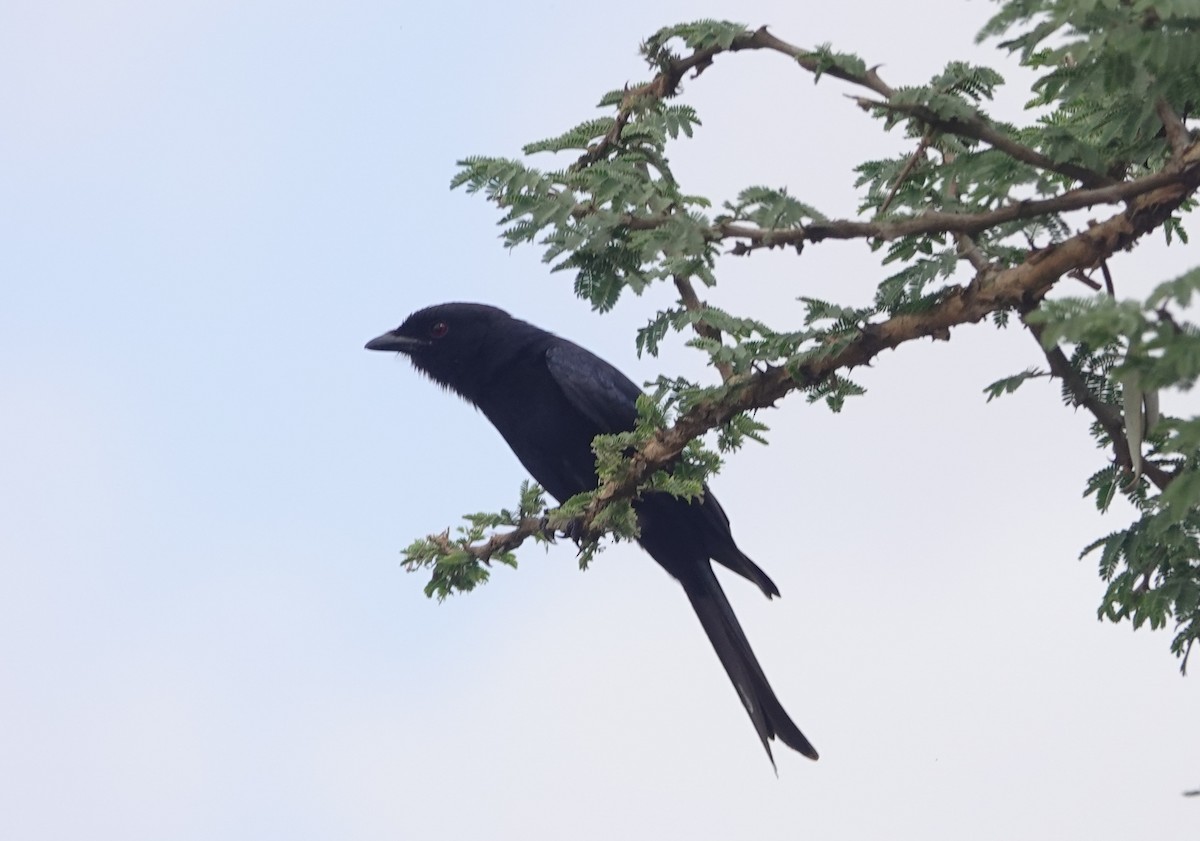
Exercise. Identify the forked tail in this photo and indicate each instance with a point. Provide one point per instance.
(716, 615)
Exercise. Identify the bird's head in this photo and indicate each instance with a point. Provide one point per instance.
(453, 344)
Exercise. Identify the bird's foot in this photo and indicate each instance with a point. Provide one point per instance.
(573, 530)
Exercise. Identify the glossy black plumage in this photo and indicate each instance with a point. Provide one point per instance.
(549, 398)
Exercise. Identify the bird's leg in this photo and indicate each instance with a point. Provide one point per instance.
(573, 529)
(547, 531)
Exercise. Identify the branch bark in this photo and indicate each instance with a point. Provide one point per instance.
(1178, 137)
(1184, 175)
(666, 85)
(1150, 201)
(1018, 287)
(979, 128)
(691, 302)
(1106, 414)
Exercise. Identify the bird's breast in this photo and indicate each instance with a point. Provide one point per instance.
(551, 438)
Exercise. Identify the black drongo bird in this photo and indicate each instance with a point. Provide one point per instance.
(549, 398)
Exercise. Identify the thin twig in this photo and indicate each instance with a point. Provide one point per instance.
(692, 303)
(904, 173)
(968, 248)
(1184, 178)
(970, 251)
(1178, 137)
(977, 127)
(1085, 280)
(1108, 281)
(1014, 288)
(666, 85)
(1151, 200)
(1106, 414)
(1019, 287)
(497, 543)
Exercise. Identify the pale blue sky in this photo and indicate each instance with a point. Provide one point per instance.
(207, 207)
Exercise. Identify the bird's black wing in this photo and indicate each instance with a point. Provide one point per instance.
(608, 399)
(604, 395)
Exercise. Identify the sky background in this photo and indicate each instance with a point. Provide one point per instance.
(206, 208)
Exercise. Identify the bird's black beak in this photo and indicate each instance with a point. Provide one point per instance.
(393, 341)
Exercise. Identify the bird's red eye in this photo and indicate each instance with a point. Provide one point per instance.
(439, 329)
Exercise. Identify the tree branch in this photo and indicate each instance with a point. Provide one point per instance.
(977, 127)
(1183, 175)
(761, 39)
(498, 542)
(692, 303)
(968, 248)
(1106, 414)
(666, 85)
(1177, 134)
(909, 166)
(1014, 288)
(1019, 287)
(1150, 202)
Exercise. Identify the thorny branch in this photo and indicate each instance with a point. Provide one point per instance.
(909, 166)
(497, 543)
(1011, 288)
(1106, 414)
(1178, 137)
(938, 222)
(691, 302)
(968, 248)
(1079, 275)
(1150, 201)
(666, 85)
(545, 527)
(1016, 288)
(978, 128)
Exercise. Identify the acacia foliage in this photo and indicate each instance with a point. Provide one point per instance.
(1108, 129)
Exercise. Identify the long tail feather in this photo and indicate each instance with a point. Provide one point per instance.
(727, 638)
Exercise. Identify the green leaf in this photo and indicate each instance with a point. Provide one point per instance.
(1010, 384)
